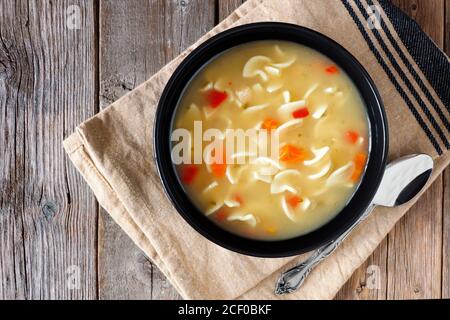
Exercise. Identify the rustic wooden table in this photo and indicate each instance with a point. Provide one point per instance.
(56, 71)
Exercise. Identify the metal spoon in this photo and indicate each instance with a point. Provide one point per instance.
(402, 180)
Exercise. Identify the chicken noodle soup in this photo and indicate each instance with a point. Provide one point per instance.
(322, 129)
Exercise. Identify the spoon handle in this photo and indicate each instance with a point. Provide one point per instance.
(293, 278)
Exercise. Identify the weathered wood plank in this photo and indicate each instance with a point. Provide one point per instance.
(415, 244)
(428, 14)
(48, 216)
(137, 38)
(446, 188)
(369, 281)
(415, 248)
(226, 7)
(446, 234)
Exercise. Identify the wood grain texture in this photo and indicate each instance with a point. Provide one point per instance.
(415, 244)
(446, 188)
(446, 235)
(137, 38)
(226, 7)
(369, 281)
(415, 249)
(429, 14)
(447, 27)
(48, 215)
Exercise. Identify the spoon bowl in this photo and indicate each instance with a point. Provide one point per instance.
(403, 179)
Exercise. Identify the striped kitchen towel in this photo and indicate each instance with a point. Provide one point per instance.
(113, 150)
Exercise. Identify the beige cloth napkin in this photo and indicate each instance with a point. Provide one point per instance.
(113, 152)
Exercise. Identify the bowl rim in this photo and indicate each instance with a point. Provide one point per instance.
(166, 108)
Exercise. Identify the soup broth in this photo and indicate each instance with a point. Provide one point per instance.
(320, 119)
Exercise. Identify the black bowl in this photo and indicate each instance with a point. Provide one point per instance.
(271, 31)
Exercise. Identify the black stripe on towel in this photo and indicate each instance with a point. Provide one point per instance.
(392, 78)
(430, 59)
(405, 79)
(413, 72)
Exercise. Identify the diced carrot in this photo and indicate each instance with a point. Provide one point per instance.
(356, 174)
(294, 201)
(290, 153)
(332, 69)
(352, 136)
(270, 124)
(360, 161)
(271, 230)
(300, 113)
(239, 199)
(215, 98)
(188, 173)
(219, 169)
(222, 215)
